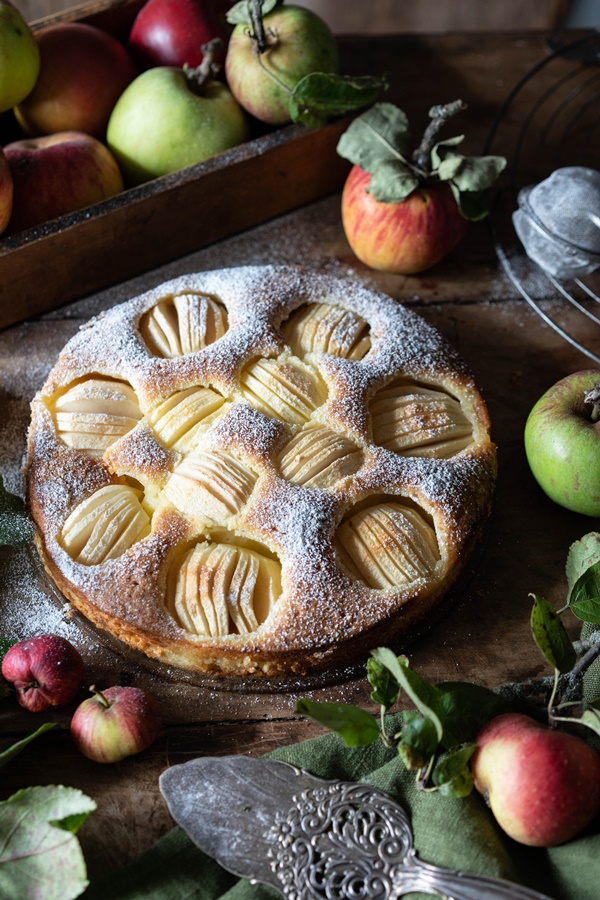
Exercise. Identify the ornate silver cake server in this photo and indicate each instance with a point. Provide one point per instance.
(273, 823)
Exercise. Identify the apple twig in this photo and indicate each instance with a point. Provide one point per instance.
(439, 115)
(197, 76)
(258, 35)
(593, 398)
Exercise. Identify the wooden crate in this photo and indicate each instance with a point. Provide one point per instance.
(143, 227)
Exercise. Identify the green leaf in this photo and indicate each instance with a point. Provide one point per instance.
(38, 858)
(15, 525)
(438, 152)
(8, 754)
(452, 775)
(379, 135)
(582, 555)
(355, 726)
(392, 182)
(470, 173)
(472, 204)
(240, 13)
(320, 96)
(466, 709)
(591, 717)
(385, 687)
(425, 696)
(551, 637)
(418, 740)
(584, 598)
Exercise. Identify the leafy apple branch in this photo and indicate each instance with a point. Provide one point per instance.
(437, 738)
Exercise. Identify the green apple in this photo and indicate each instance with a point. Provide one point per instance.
(562, 442)
(161, 125)
(19, 57)
(297, 42)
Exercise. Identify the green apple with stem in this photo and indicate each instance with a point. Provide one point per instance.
(19, 57)
(562, 442)
(170, 118)
(266, 60)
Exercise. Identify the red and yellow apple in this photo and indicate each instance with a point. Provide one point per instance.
(57, 174)
(173, 32)
(19, 57)
(115, 723)
(46, 670)
(298, 43)
(6, 191)
(83, 72)
(542, 785)
(405, 237)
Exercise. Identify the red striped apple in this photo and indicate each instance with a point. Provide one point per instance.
(83, 72)
(19, 57)
(173, 32)
(6, 191)
(405, 237)
(542, 785)
(115, 723)
(57, 174)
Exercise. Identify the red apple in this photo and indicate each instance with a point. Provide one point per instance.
(6, 191)
(58, 174)
(172, 32)
(542, 785)
(405, 237)
(83, 72)
(562, 442)
(46, 671)
(115, 723)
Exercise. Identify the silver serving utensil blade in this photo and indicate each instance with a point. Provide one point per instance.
(274, 823)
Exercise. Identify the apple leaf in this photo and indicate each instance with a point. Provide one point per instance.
(467, 707)
(591, 716)
(379, 135)
(584, 597)
(452, 775)
(12, 751)
(320, 96)
(385, 687)
(583, 554)
(15, 525)
(418, 740)
(392, 182)
(355, 726)
(40, 857)
(468, 173)
(425, 696)
(472, 204)
(240, 13)
(551, 636)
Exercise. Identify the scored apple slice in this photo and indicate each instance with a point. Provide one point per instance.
(105, 525)
(91, 415)
(284, 390)
(414, 420)
(387, 545)
(183, 324)
(325, 328)
(179, 418)
(319, 457)
(217, 589)
(210, 484)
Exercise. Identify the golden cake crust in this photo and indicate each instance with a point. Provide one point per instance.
(258, 471)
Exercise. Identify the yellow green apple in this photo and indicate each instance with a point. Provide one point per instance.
(19, 57)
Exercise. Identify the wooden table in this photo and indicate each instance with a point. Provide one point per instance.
(485, 635)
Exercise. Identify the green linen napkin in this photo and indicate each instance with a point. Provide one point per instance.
(457, 833)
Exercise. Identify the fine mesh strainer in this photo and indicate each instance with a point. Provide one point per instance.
(546, 218)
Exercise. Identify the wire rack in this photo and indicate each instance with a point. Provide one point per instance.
(557, 123)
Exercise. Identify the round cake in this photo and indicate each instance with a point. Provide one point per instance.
(258, 471)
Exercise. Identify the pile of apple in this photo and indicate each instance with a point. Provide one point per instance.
(47, 671)
(98, 115)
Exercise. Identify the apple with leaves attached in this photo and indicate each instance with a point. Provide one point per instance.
(562, 442)
(46, 670)
(115, 723)
(19, 57)
(267, 58)
(83, 71)
(542, 785)
(57, 174)
(404, 213)
(173, 32)
(171, 118)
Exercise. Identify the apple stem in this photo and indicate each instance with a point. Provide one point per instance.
(197, 76)
(592, 398)
(100, 696)
(439, 115)
(258, 35)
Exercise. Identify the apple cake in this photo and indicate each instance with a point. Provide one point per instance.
(258, 471)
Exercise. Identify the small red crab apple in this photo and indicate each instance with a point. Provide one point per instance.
(45, 670)
(115, 723)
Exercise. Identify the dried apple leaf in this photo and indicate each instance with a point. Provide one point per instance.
(40, 857)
